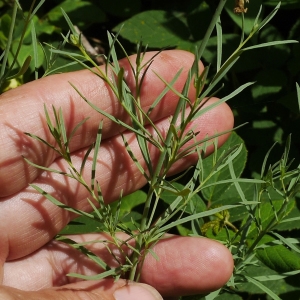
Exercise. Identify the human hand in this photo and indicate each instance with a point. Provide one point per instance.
(33, 265)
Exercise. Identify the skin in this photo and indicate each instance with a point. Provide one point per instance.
(32, 265)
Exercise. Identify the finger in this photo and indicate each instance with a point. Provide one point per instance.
(191, 265)
(21, 110)
(37, 220)
(106, 290)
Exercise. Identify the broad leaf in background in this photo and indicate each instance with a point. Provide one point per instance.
(80, 12)
(287, 288)
(158, 29)
(279, 258)
(216, 193)
(129, 214)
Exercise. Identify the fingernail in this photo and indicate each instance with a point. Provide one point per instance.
(137, 291)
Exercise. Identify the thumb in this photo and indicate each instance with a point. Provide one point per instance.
(136, 291)
(87, 290)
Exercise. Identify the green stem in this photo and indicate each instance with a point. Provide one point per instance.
(168, 139)
(139, 240)
(9, 42)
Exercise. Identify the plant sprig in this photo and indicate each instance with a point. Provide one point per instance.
(150, 230)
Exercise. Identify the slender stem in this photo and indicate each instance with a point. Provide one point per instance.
(23, 34)
(139, 240)
(9, 41)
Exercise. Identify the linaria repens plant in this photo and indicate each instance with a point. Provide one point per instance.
(262, 203)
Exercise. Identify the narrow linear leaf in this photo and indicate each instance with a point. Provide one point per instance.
(94, 277)
(84, 160)
(223, 71)
(267, 19)
(265, 161)
(45, 168)
(197, 216)
(135, 160)
(287, 242)
(35, 50)
(62, 126)
(262, 287)
(70, 24)
(61, 67)
(60, 204)
(76, 127)
(298, 94)
(170, 86)
(224, 99)
(270, 44)
(95, 156)
(276, 277)
(84, 250)
(236, 183)
(163, 93)
(219, 44)
(112, 39)
(36, 9)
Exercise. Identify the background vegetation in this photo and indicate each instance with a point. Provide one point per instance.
(270, 106)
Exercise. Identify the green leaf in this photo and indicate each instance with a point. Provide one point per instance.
(158, 29)
(298, 94)
(80, 12)
(263, 288)
(131, 201)
(5, 24)
(82, 225)
(262, 273)
(216, 192)
(25, 52)
(279, 258)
